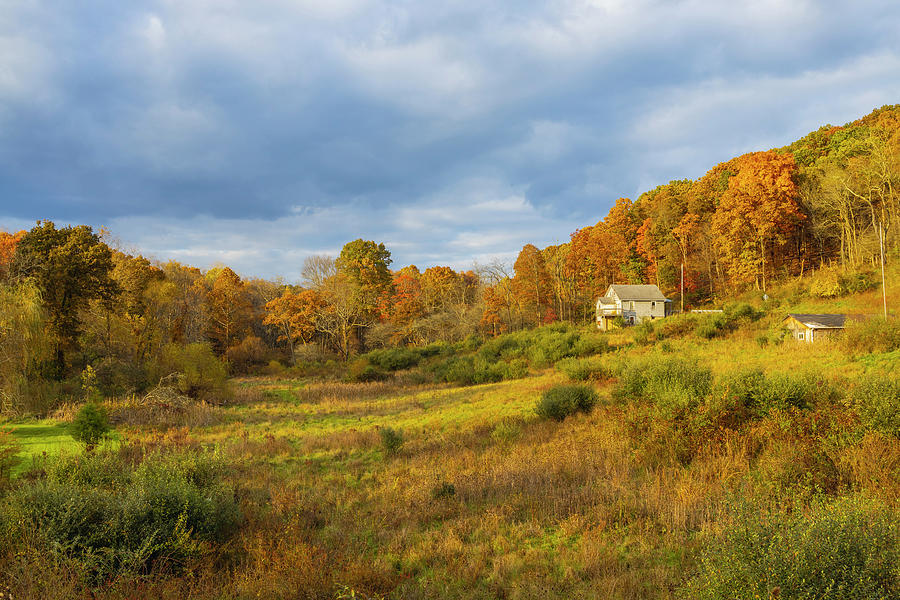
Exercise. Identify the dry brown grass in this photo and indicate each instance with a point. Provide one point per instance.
(611, 504)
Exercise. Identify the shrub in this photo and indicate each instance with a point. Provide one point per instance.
(469, 370)
(831, 284)
(739, 393)
(116, 377)
(674, 385)
(645, 333)
(877, 401)
(584, 369)
(742, 311)
(560, 401)
(872, 335)
(90, 426)
(9, 449)
(201, 375)
(784, 390)
(391, 440)
(394, 359)
(845, 549)
(250, 352)
(753, 393)
(359, 371)
(856, 283)
(678, 325)
(169, 509)
(443, 490)
(506, 431)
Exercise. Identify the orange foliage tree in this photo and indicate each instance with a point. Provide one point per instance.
(532, 285)
(756, 213)
(8, 243)
(230, 309)
(294, 314)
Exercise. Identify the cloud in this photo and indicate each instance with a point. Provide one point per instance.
(258, 132)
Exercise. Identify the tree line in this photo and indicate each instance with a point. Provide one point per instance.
(68, 299)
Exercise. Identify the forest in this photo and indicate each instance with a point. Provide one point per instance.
(376, 432)
(828, 201)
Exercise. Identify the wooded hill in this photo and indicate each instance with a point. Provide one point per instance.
(68, 300)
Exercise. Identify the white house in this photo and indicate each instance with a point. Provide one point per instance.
(634, 303)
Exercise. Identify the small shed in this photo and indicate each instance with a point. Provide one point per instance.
(811, 328)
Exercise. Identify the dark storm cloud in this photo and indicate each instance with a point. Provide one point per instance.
(258, 132)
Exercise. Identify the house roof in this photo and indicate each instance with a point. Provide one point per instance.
(605, 300)
(823, 321)
(638, 292)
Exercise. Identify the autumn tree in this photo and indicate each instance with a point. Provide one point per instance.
(402, 305)
(24, 345)
(365, 264)
(339, 317)
(441, 287)
(70, 267)
(495, 316)
(532, 285)
(318, 269)
(8, 243)
(229, 309)
(757, 212)
(294, 314)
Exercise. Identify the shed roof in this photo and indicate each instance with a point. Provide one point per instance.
(638, 292)
(606, 300)
(823, 321)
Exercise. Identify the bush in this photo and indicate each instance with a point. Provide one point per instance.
(877, 401)
(116, 519)
(394, 359)
(739, 393)
(584, 369)
(560, 401)
(443, 490)
(250, 352)
(678, 325)
(752, 393)
(90, 426)
(742, 312)
(469, 370)
(201, 375)
(645, 333)
(872, 335)
(359, 371)
(846, 549)
(784, 390)
(9, 450)
(116, 377)
(832, 284)
(674, 385)
(391, 440)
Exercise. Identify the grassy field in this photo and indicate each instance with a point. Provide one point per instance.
(485, 500)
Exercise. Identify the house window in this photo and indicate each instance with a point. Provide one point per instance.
(801, 335)
(653, 305)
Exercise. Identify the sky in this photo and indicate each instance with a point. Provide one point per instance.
(256, 133)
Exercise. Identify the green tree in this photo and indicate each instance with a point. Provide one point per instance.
(70, 267)
(365, 265)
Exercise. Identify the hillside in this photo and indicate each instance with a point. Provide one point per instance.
(405, 489)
